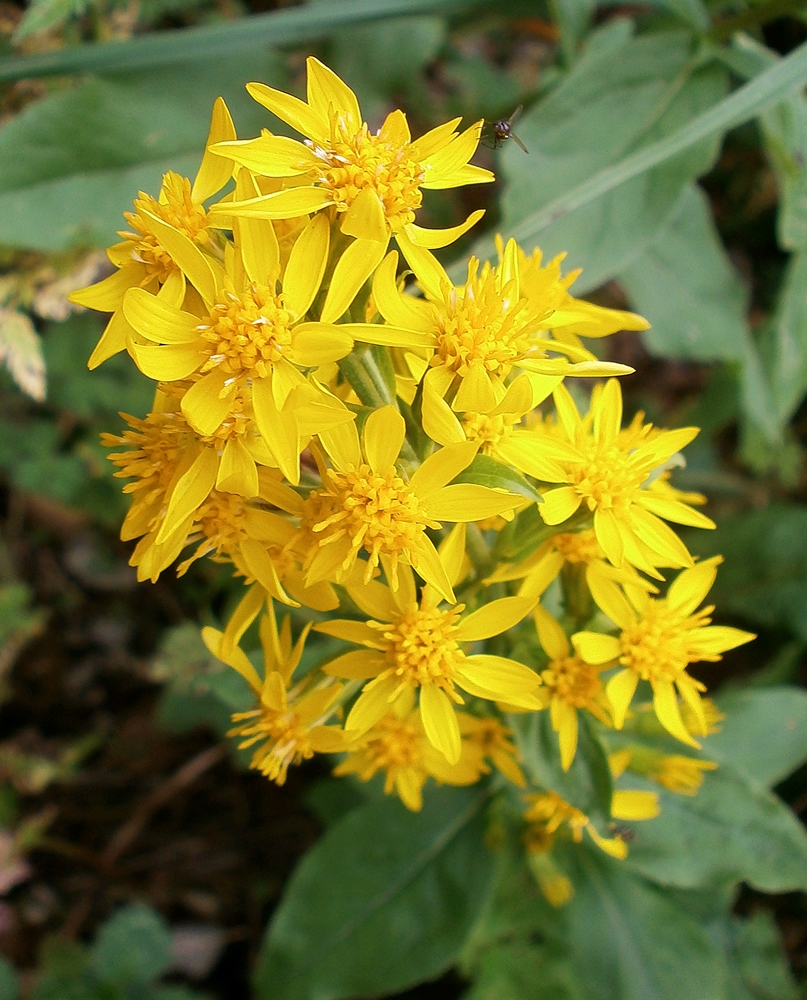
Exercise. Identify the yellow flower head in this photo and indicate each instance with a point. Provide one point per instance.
(570, 684)
(476, 334)
(288, 725)
(611, 473)
(167, 233)
(659, 638)
(373, 180)
(366, 503)
(491, 739)
(250, 336)
(548, 814)
(397, 746)
(419, 646)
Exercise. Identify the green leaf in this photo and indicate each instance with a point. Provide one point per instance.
(9, 983)
(587, 784)
(37, 464)
(630, 939)
(744, 104)
(787, 365)
(784, 133)
(757, 965)
(231, 39)
(511, 971)
(41, 15)
(133, 946)
(71, 163)
(764, 577)
(764, 732)
(733, 830)
(116, 386)
(685, 285)
(384, 59)
(384, 900)
(486, 471)
(622, 95)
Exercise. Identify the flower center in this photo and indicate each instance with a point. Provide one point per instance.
(657, 646)
(248, 334)
(378, 513)
(547, 811)
(178, 209)
(421, 648)
(287, 740)
(221, 522)
(156, 446)
(579, 546)
(489, 430)
(393, 745)
(608, 478)
(354, 163)
(573, 681)
(481, 324)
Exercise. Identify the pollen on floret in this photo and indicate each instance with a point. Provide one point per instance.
(657, 647)
(421, 649)
(285, 740)
(573, 681)
(487, 429)
(578, 546)
(248, 333)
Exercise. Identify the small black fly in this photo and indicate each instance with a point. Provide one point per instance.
(503, 130)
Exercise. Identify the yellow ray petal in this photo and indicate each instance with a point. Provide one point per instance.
(352, 631)
(289, 203)
(355, 266)
(158, 321)
(441, 467)
(190, 491)
(399, 309)
(237, 471)
(316, 344)
(477, 391)
(185, 254)
(674, 510)
(306, 266)
(372, 704)
(166, 364)
(564, 722)
(442, 165)
(620, 690)
(659, 537)
(214, 171)
(234, 657)
(439, 420)
(269, 155)
(207, 403)
(434, 139)
(278, 429)
(293, 111)
(594, 647)
(357, 665)
(630, 804)
(551, 635)
(430, 567)
(716, 639)
(665, 703)
(435, 239)
(387, 336)
(469, 502)
(116, 335)
(440, 722)
(499, 679)
(107, 295)
(609, 535)
(383, 436)
(430, 274)
(261, 566)
(558, 505)
(365, 219)
(689, 589)
(611, 600)
(327, 92)
(494, 618)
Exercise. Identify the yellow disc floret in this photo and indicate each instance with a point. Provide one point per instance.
(248, 333)
(421, 649)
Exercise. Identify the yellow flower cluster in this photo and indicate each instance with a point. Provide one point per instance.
(403, 458)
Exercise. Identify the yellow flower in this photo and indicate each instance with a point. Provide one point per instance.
(419, 646)
(680, 774)
(475, 334)
(366, 503)
(659, 638)
(490, 738)
(397, 746)
(289, 724)
(372, 182)
(249, 336)
(168, 232)
(611, 473)
(570, 684)
(547, 814)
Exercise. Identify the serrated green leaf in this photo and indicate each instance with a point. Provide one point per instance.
(233, 39)
(630, 939)
(764, 732)
(687, 288)
(622, 95)
(486, 471)
(133, 946)
(384, 900)
(733, 830)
